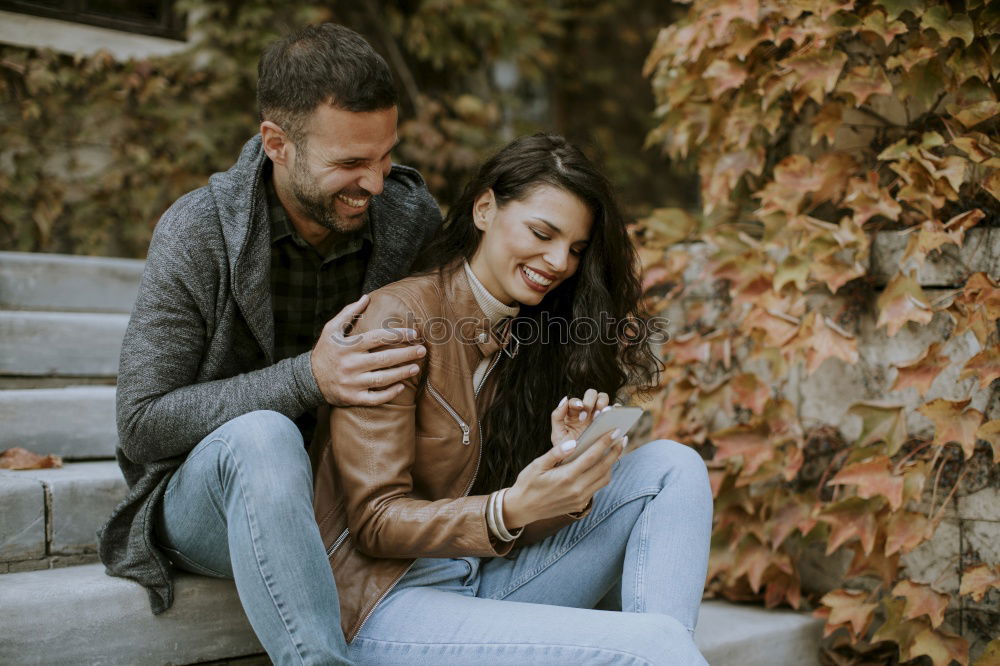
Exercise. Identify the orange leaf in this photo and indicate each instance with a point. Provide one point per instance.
(828, 340)
(867, 200)
(826, 123)
(903, 300)
(881, 422)
(689, 348)
(921, 372)
(977, 307)
(848, 607)
(922, 600)
(940, 646)
(985, 365)
(905, 531)
(978, 580)
(817, 71)
(873, 477)
(853, 518)
(749, 443)
(793, 515)
(750, 392)
(990, 431)
(753, 560)
(18, 458)
(864, 81)
(781, 588)
(953, 423)
(930, 236)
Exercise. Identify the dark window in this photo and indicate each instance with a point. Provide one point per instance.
(148, 17)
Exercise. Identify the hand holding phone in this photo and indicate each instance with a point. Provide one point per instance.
(613, 418)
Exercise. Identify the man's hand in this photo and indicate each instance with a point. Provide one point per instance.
(355, 370)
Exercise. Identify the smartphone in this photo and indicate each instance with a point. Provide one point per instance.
(621, 418)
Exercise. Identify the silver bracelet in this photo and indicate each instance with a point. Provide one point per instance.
(491, 516)
(505, 534)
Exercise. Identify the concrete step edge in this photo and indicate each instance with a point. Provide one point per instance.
(80, 615)
(731, 634)
(36, 281)
(60, 343)
(75, 422)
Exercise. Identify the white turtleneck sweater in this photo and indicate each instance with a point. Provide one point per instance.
(496, 312)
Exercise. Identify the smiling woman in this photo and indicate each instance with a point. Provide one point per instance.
(454, 532)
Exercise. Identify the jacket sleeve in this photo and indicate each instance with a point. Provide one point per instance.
(162, 410)
(374, 450)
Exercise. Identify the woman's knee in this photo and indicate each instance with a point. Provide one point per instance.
(668, 462)
(660, 639)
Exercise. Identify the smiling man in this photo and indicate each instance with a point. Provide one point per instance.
(241, 332)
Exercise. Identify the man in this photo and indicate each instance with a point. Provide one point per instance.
(241, 331)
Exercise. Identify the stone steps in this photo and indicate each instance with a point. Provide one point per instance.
(33, 281)
(65, 344)
(53, 513)
(77, 423)
(79, 615)
(91, 618)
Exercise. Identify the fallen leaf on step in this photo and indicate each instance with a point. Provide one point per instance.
(18, 458)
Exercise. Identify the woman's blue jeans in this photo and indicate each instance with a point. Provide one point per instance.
(643, 548)
(240, 506)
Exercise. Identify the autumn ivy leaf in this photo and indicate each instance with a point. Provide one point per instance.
(975, 113)
(925, 82)
(867, 199)
(848, 608)
(905, 531)
(783, 588)
(910, 57)
(873, 477)
(977, 146)
(877, 24)
(949, 26)
(895, 628)
(953, 423)
(992, 183)
(902, 301)
(880, 423)
(985, 366)
(817, 71)
(942, 647)
(893, 8)
(929, 236)
(991, 655)
(852, 518)
(972, 62)
(864, 81)
(750, 392)
(826, 123)
(921, 372)
(750, 444)
(977, 307)
(689, 348)
(990, 432)
(752, 560)
(725, 75)
(922, 600)
(791, 515)
(667, 226)
(978, 580)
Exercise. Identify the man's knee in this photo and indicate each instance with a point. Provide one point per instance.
(265, 447)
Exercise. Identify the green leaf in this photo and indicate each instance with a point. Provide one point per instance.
(893, 8)
(949, 26)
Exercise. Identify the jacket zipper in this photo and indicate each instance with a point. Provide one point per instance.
(448, 408)
(479, 459)
(479, 421)
(336, 544)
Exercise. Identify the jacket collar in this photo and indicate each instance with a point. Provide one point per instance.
(473, 326)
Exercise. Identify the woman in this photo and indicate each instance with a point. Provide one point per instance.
(455, 535)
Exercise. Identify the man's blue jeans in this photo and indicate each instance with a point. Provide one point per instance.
(643, 546)
(241, 507)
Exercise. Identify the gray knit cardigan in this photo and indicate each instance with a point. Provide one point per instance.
(199, 348)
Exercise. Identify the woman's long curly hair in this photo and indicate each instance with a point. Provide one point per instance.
(605, 290)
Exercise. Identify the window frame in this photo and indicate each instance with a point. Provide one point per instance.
(171, 26)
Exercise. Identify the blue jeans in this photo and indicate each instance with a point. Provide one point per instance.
(240, 506)
(643, 546)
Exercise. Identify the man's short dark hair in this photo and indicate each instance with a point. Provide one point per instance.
(321, 64)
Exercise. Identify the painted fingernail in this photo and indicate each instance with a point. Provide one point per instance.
(578, 403)
(616, 434)
(624, 442)
(414, 369)
(421, 350)
(562, 402)
(568, 445)
(606, 409)
(583, 415)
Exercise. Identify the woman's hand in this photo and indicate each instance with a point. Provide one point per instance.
(545, 489)
(572, 416)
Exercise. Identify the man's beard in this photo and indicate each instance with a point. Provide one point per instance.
(319, 206)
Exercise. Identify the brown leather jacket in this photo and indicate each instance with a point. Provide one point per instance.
(392, 481)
